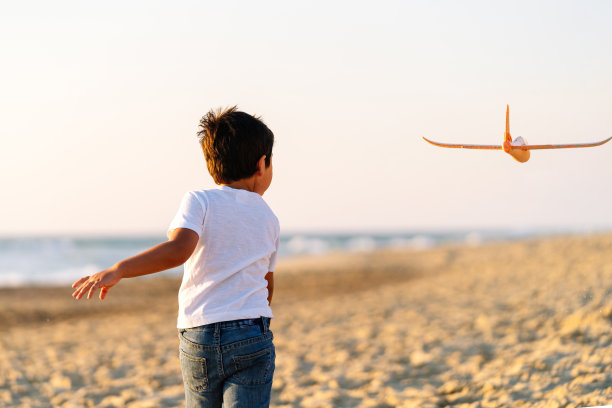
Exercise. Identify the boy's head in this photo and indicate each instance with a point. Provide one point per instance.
(233, 142)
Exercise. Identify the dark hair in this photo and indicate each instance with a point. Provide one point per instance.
(233, 142)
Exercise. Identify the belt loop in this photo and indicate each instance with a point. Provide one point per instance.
(264, 324)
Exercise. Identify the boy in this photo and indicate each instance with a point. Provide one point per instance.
(228, 239)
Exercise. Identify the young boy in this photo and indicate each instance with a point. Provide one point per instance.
(228, 239)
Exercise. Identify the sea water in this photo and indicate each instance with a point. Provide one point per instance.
(60, 260)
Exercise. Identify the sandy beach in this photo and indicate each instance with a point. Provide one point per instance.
(510, 324)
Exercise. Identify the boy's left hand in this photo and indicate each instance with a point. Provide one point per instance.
(102, 280)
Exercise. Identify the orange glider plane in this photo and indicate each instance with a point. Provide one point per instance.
(519, 143)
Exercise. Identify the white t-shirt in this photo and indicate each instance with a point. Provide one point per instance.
(224, 278)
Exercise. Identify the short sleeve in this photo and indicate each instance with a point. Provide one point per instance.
(190, 214)
(274, 256)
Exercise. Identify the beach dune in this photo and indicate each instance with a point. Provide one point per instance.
(525, 323)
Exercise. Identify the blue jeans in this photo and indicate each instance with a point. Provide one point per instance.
(229, 363)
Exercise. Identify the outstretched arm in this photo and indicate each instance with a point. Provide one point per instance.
(164, 256)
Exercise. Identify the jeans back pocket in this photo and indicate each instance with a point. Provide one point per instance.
(255, 368)
(195, 374)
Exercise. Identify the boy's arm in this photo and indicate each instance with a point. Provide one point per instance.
(270, 279)
(164, 256)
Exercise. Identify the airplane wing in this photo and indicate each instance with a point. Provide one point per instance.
(525, 147)
(562, 146)
(464, 146)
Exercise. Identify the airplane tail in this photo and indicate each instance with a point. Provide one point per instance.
(507, 132)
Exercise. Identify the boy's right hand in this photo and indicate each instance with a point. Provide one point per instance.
(174, 252)
(102, 280)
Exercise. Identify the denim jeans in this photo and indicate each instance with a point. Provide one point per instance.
(229, 363)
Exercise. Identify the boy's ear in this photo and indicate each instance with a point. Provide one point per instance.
(261, 165)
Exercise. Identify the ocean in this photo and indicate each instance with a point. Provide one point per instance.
(60, 260)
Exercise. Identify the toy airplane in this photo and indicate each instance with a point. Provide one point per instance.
(519, 143)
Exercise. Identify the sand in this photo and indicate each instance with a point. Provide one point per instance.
(515, 324)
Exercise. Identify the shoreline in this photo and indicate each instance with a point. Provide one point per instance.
(60, 260)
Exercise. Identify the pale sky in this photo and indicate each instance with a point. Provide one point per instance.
(100, 102)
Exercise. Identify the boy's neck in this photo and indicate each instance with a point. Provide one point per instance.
(247, 184)
(258, 182)
(240, 185)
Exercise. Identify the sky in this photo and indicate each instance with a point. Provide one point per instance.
(100, 104)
